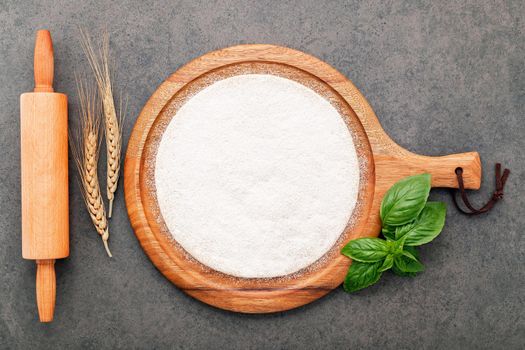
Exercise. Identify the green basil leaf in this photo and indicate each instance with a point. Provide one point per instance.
(404, 201)
(408, 255)
(366, 249)
(426, 227)
(389, 232)
(402, 273)
(413, 251)
(404, 266)
(387, 263)
(402, 230)
(396, 247)
(407, 267)
(361, 275)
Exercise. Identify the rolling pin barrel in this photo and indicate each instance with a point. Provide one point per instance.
(44, 180)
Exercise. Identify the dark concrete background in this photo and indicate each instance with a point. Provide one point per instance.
(442, 76)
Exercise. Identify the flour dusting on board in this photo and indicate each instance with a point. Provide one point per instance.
(257, 176)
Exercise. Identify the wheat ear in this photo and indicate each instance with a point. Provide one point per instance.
(85, 148)
(112, 125)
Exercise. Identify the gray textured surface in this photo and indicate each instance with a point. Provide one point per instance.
(442, 76)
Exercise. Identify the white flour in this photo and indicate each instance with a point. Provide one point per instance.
(257, 176)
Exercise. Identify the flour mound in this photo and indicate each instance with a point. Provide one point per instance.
(257, 176)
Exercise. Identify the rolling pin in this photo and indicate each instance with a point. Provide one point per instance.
(44, 178)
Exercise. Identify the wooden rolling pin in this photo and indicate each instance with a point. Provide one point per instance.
(44, 164)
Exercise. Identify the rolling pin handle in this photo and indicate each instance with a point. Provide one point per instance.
(45, 289)
(43, 62)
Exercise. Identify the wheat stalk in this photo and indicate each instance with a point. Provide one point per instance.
(112, 124)
(85, 148)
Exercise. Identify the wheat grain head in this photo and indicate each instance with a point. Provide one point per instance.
(100, 65)
(85, 146)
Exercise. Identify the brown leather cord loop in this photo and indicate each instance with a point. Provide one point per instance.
(496, 196)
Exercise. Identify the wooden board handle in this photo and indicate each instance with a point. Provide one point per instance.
(394, 167)
(45, 289)
(443, 169)
(43, 62)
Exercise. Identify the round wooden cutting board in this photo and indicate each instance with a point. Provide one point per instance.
(382, 163)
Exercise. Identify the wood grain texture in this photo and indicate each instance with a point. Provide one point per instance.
(44, 159)
(382, 163)
(44, 176)
(44, 65)
(45, 289)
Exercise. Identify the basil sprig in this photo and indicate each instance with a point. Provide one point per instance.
(408, 220)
